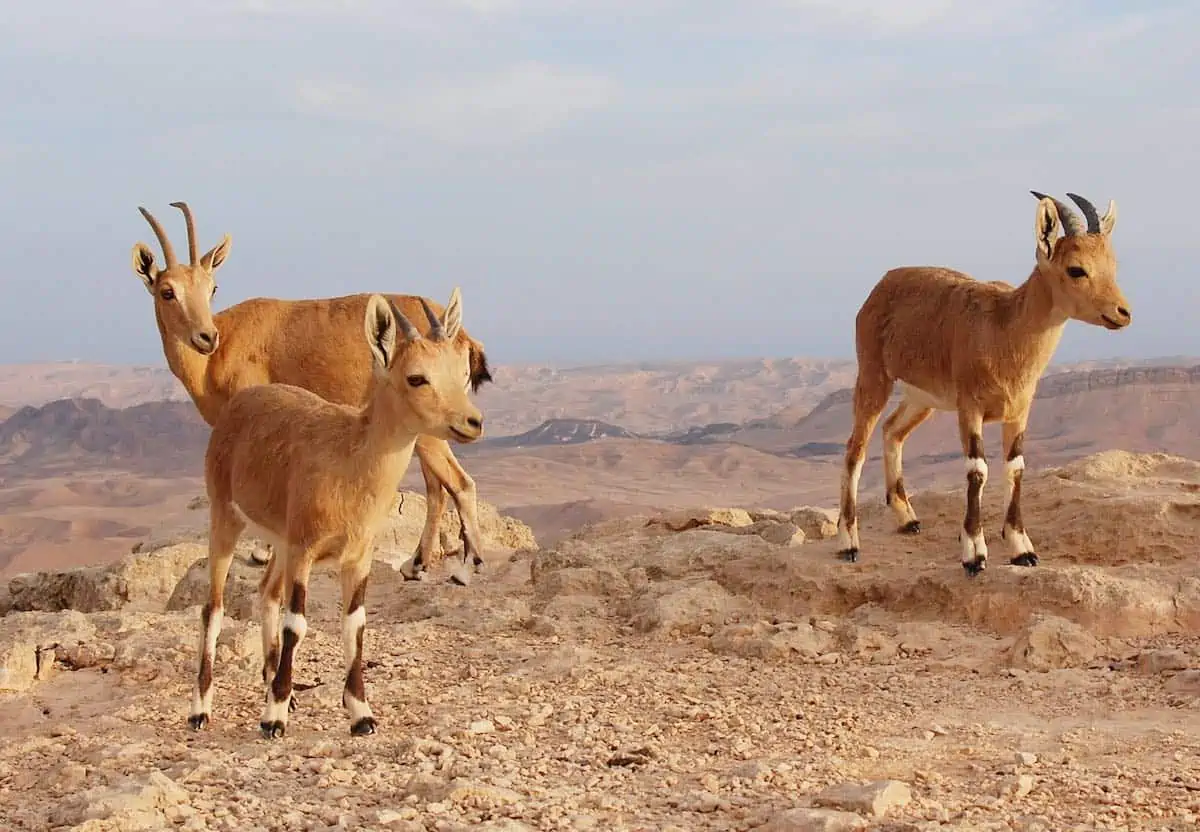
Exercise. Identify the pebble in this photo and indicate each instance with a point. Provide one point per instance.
(1026, 758)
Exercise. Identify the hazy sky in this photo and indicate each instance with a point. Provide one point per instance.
(605, 179)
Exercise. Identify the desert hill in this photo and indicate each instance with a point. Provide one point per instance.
(708, 669)
(560, 432)
(1074, 413)
(70, 434)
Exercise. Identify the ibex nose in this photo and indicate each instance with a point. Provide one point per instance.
(1125, 314)
(476, 422)
(205, 342)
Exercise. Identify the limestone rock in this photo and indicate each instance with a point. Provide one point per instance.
(681, 521)
(1050, 643)
(781, 533)
(814, 820)
(684, 607)
(762, 640)
(142, 581)
(31, 643)
(1153, 662)
(875, 799)
(1186, 682)
(816, 523)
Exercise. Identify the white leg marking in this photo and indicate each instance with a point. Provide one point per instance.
(973, 548)
(295, 622)
(977, 464)
(1017, 463)
(354, 707)
(1018, 542)
(275, 711)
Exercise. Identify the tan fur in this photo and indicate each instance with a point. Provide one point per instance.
(313, 344)
(975, 347)
(318, 478)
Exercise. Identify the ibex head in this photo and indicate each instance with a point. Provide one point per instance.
(182, 292)
(1080, 265)
(429, 375)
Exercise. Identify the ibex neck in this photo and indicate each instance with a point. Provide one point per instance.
(191, 368)
(1037, 323)
(386, 437)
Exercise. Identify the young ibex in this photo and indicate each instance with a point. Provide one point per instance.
(308, 343)
(978, 349)
(317, 479)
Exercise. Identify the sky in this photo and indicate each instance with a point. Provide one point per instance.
(606, 180)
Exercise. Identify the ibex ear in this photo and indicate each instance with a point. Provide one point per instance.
(215, 257)
(1109, 219)
(452, 315)
(1044, 227)
(380, 326)
(144, 266)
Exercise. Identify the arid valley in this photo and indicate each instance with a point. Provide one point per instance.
(661, 637)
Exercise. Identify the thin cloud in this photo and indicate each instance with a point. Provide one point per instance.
(510, 105)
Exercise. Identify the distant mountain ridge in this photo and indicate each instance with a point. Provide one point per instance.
(157, 437)
(1141, 409)
(561, 432)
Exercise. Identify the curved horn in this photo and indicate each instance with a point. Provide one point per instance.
(1089, 212)
(1068, 218)
(191, 229)
(436, 332)
(404, 324)
(168, 251)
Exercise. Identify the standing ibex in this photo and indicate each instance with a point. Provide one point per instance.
(979, 349)
(317, 479)
(308, 343)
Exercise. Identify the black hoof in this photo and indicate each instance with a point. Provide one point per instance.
(1027, 559)
(848, 555)
(974, 567)
(198, 721)
(363, 727)
(911, 527)
(292, 705)
(271, 730)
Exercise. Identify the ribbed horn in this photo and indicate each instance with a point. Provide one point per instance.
(191, 229)
(406, 328)
(436, 332)
(1089, 212)
(168, 251)
(1068, 218)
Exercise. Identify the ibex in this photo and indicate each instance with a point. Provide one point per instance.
(317, 479)
(978, 349)
(308, 343)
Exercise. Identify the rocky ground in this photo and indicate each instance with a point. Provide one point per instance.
(713, 669)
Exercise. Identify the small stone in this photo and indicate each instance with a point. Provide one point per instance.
(1017, 787)
(814, 820)
(481, 726)
(1025, 758)
(874, 799)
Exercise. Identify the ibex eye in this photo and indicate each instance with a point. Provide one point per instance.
(214, 291)
(1077, 272)
(168, 293)
(417, 381)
